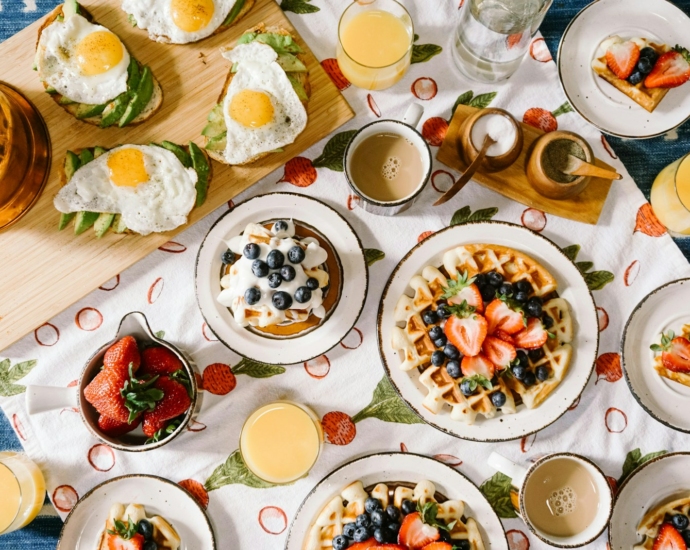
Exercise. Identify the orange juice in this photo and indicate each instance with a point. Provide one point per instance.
(375, 43)
(281, 441)
(23, 491)
(670, 196)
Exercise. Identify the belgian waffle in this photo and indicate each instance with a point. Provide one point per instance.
(345, 507)
(164, 534)
(650, 524)
(411, 339)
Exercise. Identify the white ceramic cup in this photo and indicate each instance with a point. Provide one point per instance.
(405, 128)
(521, 475)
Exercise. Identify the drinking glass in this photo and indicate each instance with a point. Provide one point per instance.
(22, 490)
(670, 196)
(493, 36)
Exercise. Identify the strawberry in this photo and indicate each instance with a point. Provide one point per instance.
(151, 426)
(121, 354)
(464, 290)
(159, 360)
(669, 539)
(439, 546)
(115, 428)
(497, 351)
(501, 317)
(477, 365)
(175, 402)
(391, 546)
(675, 352)
(670, 70)
(465, 329)
(533, 336)
(368, 544)
(414, 533)
(103, 392)
(124, 536)
(621, 58)
(501, 335)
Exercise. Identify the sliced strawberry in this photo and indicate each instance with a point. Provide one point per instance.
(159, 360)
(466, 333)
(366, 545)
(471, 295)
(621, 58)
(533, 336)
(115, 428)
(391, 546)
(670, 70)
(439, 546)
(501, 317)
(116, 542)
(478, 364)
(497, 351)
(414, 533)
(103, 392)
(121, 354)
(677, 358)
(669, 539)
(502, 335)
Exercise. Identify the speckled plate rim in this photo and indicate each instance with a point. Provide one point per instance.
(129, 477)
(459, 429)
(355, 285)
(391, 463)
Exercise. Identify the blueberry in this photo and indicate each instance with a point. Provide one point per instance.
(393, 512)
(535, 354)
(547, 321)
(441, 342)
(340, 542)
(480, 279)
(435, 333)
(302, 295)
(430, 317)
(252, 251)
(145, 529)
(445, 536)
(361, 534)
(371, 504)
(645, 65)
(506, 288)
(635, 78)
(521, 297)
(437, 358)
(312, 283)
(150, 545)
(542, 373)
(686, 537)
(380, 535)
(275, 259)
(282, 300)
(519, 372)
(296, 255)
(523, 285)
(529, 379)
(408, 506)
(648, 53)
(280, 225)
(259, 268)
(287, 272)
(252, 295)
(274, 280)
(533, 307)
(228, 257)
(453, 369)
(488, 292)
(462, 544)
(393, 528)
(349, 530)
(378, 517)
(495, 278)
(521, 358)
(451, 351)
(498, 399)
(680, 521)
(363, 520)
(466, 388)
(442, 311)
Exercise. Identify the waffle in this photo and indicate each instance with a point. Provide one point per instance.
(164, 534)
(680, 377)
(650, 524)
(410, 337)
(345, 508)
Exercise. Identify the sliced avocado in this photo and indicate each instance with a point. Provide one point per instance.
(50, 90)
(201, 168)
(84, 220)
(291, 64)
(98, 151)
(131, 20)
(86, 156)
(72, 164)
(133, 75)
(217, 143)
(86, 111)
(65, 219)
(70, 8)
(183, 156)
(65, 101)
(102, 224)
(234, 12)
(115, 109)
(140, 99)
(118, 225)
(299, 89)
(216, 123)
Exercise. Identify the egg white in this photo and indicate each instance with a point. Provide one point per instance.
(160, 204)
(57, 63)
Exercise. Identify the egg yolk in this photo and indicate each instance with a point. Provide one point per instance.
(127, 168)
(251, 108)
(99, 52)
(192, 15)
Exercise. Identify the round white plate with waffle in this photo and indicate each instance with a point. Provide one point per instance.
(340, 497)
(286, 321)
(450, 350)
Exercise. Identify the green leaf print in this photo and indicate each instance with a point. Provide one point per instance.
(465, 215)
(234, 471)
(298, 6)
(572, 251)
(596, 280)
(482, 101)
(584, 267)
(386, 405)
(9, 375)
(332, 156)
(424, 52)
(497, 491)
(372, 255)
(160, 334)
(634, 459)
(256, 369)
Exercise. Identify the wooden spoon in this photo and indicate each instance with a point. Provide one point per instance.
(578, 167)
(467, 176)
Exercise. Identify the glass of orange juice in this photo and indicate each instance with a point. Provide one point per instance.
(22, 491)
(280, 442)
(374, 43)
(670, 196)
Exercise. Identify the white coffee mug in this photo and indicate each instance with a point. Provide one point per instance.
(406, 129)
(520, 476)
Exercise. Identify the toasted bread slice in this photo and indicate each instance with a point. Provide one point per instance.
(243, 7)
(74, 108)
(303, 79)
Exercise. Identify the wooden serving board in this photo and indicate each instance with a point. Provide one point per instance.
(512, 182)
(44, 271)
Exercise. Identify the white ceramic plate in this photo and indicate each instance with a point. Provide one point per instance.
(658, 480)
(571, 286)
(410, 467)
(85, 523)
(326, 221)
(658, 312)
(598, 101)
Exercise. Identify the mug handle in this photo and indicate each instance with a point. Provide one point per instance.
(413, 115)
(40, 399)
(509, 468)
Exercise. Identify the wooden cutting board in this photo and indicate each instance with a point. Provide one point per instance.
(512, 182)
(43, 270)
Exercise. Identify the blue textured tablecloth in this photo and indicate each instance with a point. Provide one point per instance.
(643, 159)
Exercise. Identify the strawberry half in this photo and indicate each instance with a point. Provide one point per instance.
(477, 365)
(462, 290)
(414, 533)
(621, 58)
(366, 545)
(115, 542)
(497, 351)
(501, 317)
(438, 546)
(501, 335)
(671, 69)
(115, 428)
(669, 539)
(121, 354)
(533, 336)
(159, 360)
(391, 546)
(466, 330)
(677, 357)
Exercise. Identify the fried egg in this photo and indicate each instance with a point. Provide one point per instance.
(178, 21)
(84, 62)
(146, 184)
(261, 109)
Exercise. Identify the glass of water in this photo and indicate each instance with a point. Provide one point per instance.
(493, 36)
